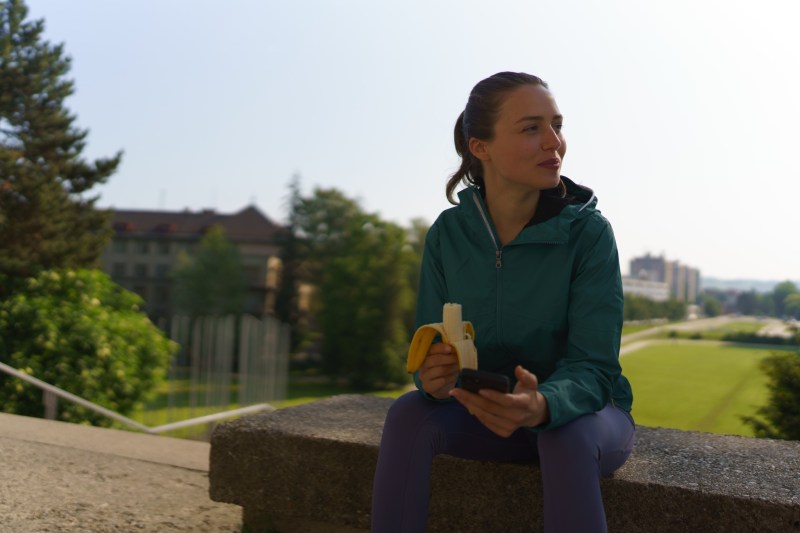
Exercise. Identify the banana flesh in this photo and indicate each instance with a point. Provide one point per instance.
(453, 330)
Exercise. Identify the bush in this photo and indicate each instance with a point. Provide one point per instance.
(780, 418)
(79, 331)
(755, 338)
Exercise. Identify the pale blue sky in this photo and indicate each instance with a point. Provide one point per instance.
(681, 115)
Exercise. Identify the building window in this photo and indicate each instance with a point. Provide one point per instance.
(120, 246)
(253, 276)
(162, 295)
(118, 270)
(142, 247)
(140, 270)
(162, 271)
(163, 247)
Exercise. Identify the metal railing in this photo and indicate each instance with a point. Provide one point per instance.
(53, 393)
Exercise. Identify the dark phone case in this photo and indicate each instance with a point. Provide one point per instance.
(474, 380)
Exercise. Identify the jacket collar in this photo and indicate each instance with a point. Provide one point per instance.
(552, 231)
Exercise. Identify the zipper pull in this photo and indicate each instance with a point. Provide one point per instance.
(498, 261)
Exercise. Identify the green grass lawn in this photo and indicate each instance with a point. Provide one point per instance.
(158, 411)
(696, 387)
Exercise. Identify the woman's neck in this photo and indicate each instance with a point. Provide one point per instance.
(511, 211)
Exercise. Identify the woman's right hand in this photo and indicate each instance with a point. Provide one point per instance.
(439, 371)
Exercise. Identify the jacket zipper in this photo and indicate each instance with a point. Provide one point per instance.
(498, 253)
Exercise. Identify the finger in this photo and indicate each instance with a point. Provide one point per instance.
(433, 360)
(477, 407)
(439, 371)
(525, 378)
(440, 347)
(499, 426)
(439, 383)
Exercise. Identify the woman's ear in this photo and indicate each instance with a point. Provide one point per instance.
(478, 149)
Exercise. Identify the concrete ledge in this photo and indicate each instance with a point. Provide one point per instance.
(311, 467)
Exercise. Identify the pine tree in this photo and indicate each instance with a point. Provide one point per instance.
(46, 219)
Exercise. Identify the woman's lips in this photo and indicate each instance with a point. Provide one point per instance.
(551, 163)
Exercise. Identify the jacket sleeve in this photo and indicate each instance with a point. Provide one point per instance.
(583, 380)
(432, 291)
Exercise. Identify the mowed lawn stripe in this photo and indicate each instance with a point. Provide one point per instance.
(696, 387)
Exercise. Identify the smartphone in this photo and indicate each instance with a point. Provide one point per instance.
(475, 380)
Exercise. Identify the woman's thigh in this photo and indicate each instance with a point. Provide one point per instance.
(447, 427)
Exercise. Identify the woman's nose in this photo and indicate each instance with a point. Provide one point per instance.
(551, 140)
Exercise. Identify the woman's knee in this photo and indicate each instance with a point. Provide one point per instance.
(404, 406)
(579, 437)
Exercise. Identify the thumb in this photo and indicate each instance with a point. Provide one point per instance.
(525, 378)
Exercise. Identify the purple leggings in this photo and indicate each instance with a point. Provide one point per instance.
(573, 458)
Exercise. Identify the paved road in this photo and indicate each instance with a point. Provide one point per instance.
(59, 477)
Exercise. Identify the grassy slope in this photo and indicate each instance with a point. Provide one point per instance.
(696, 387)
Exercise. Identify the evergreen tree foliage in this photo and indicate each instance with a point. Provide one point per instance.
(46, 219)
(212, 281)
(287, 305)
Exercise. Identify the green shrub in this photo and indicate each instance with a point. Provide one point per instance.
(754, 338)
(780, 418)
(79, 331)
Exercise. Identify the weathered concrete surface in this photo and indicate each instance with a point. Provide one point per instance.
(313, 464)
(59, 477)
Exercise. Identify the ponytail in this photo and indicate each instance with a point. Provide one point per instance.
(462, 149)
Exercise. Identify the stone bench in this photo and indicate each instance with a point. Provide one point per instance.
(309, 468)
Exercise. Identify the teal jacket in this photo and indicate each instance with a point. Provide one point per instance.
(550, 300)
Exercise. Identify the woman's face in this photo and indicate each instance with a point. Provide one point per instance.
(528, 147)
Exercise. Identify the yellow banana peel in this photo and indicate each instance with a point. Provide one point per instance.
(454, 331)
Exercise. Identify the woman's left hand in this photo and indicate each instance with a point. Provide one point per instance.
(505, 413)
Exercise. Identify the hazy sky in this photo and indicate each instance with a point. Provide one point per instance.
(682, 116)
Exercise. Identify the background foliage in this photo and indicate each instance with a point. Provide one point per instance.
(46, 218)
(211, 282)
(780, 417)
(77, 330)
(363, 272)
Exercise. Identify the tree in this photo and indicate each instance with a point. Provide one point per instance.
(711, 306)
(791, 305)
(779, 295)
(287, 305)
(747, 303)
(416, 246)
(360, 266)
(212, 281)
(641, 308)
(780, 417)
(79, 331)
(46, 221)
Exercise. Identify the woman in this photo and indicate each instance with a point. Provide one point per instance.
(535, 267)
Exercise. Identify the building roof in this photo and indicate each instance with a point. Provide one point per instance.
(248, 225)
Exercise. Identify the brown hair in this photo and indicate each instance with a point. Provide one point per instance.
(478, 120)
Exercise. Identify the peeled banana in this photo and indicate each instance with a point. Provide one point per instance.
(454, 331)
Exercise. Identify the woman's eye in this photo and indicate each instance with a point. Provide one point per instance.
(558, 127)
(531, 128)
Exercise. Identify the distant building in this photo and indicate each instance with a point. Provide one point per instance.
(146, 244)
(683, 282)
(648, 268)
(654, 290)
